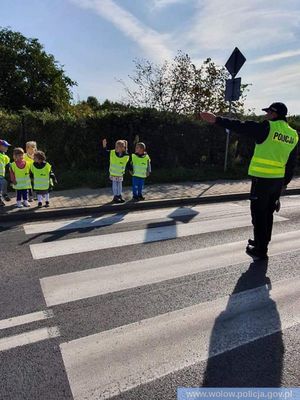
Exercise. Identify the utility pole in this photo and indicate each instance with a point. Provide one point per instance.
(227, 140)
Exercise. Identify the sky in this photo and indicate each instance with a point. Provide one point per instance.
(97, 40)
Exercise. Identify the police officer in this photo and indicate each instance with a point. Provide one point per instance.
(271, 168)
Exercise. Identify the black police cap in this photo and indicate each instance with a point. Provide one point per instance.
(279, 108)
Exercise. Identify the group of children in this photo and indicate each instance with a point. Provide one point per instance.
(139, 168)
(29, 171)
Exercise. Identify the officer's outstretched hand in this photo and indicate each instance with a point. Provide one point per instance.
(208, 117)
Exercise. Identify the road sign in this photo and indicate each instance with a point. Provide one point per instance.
(233, 89)
(235, 62)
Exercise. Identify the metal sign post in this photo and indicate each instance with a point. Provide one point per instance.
(227, 141)
(233, 88)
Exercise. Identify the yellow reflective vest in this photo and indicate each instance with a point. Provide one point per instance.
(28, 159)
(22, 176)
(117, 164)
(270, 157)
(140, 165)
(4, 161)
(41, 177)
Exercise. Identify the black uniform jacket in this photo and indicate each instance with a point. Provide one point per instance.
(259, 131)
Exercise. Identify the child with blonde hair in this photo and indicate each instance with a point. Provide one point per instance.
(118, 159)
(31, 148)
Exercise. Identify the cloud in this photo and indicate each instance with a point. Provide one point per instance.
(277, 56)
(220, 24)
(274, 80)
(279, 84)
(212, 28)
(159, 4)
(152, 43)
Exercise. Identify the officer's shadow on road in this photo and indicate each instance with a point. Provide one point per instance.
(83, 225)
(246, 347)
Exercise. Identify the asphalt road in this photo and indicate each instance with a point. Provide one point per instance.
(134, 305)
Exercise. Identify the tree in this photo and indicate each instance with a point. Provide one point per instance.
(93, 103)
(29, 77)
(115, 106)
(179, 86)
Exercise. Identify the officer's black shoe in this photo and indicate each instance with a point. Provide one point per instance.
(6, 197)
(251, 242)
(141, 197)
(255, 253)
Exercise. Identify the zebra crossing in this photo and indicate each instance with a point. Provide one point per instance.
(113, 361)
(153, 348)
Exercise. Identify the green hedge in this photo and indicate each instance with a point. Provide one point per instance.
(73, 143)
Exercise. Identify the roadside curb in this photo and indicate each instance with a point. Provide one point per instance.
(37, 214)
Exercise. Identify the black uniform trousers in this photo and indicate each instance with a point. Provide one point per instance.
(264, 194)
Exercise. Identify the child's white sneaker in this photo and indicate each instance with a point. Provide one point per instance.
(26, 203)
(19, 204)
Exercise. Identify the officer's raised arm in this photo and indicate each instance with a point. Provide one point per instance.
(257, 130)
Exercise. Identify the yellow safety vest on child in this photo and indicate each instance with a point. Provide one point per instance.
(28, 159)
(41, 177)
(140, 165)
(4, 161)
(22, 176)
(117, 164)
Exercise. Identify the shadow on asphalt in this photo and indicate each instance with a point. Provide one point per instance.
(257, 363)
(150, 236)
(76, 226)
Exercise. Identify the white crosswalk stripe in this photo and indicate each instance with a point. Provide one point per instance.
(97, 281)
(25, 319)
(107, 363)
(167, 343)
(168, 214)
(23, 339)
(100, 242)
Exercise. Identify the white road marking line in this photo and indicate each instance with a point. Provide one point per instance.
(64, 288)
(100, 242)
(168, 214)
(25, 319)
(111, 362)
(30, 337)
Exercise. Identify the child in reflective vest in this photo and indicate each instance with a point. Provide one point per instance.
(31, 148)
(4, 163)
(118, 159)
(42, 174)
(20, 177)
(140, 169)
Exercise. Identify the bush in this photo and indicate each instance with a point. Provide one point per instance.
(180, 147)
